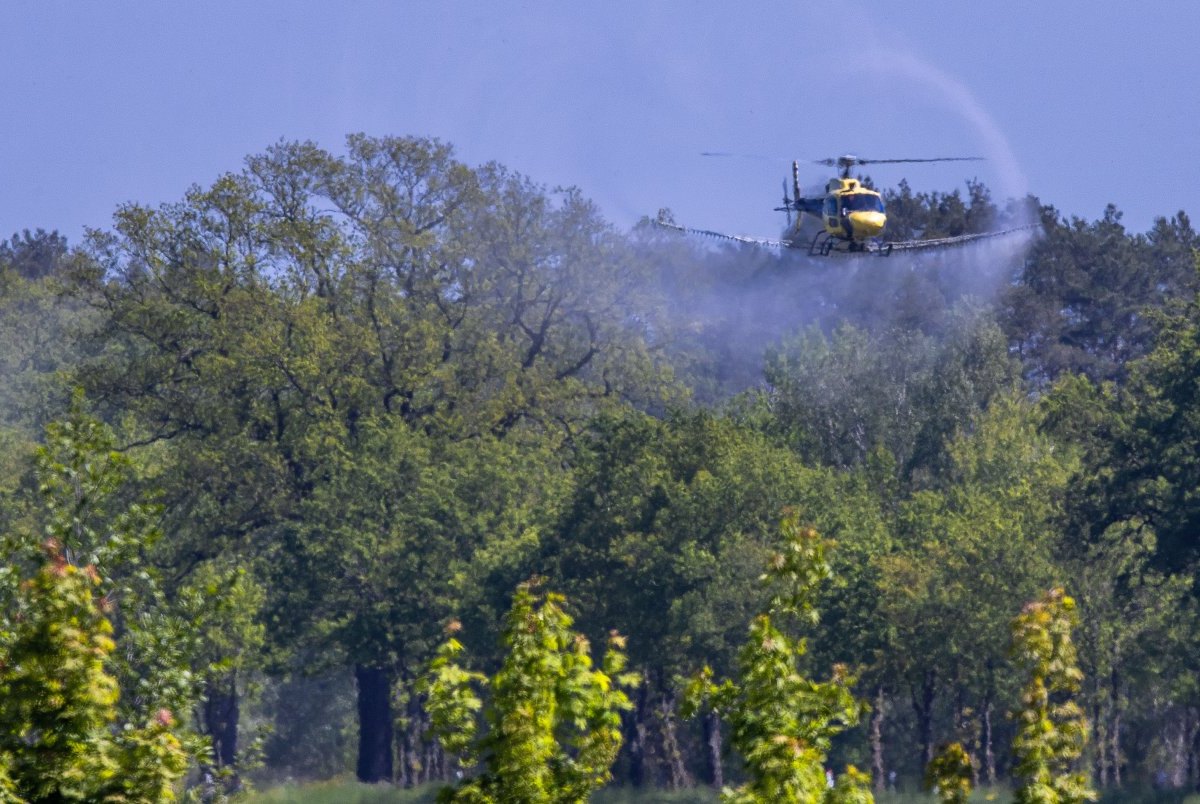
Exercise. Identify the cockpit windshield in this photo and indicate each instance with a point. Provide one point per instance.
(862, 202)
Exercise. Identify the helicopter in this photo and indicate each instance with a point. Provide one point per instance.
(851, 214)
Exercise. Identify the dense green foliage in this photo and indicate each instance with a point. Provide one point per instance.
(554, 722)
(1051, 729)
(58, 699)
(301, 417)
(781, 722)
(949, 774)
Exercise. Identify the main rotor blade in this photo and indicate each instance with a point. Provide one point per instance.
(840, 161)
(731, 154)
(849, 160)
(772, 158)
(933, 159)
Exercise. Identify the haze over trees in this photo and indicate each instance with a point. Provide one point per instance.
(286, 429)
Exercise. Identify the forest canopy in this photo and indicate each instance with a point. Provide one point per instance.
(287, 428)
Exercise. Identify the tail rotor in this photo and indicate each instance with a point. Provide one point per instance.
(793, 203)
(796, 180)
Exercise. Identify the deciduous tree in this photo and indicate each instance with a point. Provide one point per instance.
(554, 725)
(58, 699)
(1051, 728)
(781, 722)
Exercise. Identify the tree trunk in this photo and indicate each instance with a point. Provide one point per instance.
(1101, 742)
(922, 702)
(221, 719)
(404, 759)
(964, 731)
(1115, 729)
(877, 767)
(986, 737)
(434, 763)
(374, 724)
(715, 771)
(989, 755)
(636, 739)
(408, 748)
(1179, 769)
(415, 736)
(1193, 741)
(677, 774)
(1116, 749)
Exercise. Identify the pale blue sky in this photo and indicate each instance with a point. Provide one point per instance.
(1081, 103)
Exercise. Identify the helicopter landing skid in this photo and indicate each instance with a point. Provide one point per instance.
(823, 244)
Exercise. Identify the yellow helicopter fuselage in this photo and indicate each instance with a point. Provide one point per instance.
(849, 211)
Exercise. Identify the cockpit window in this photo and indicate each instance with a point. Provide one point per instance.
(862, 202)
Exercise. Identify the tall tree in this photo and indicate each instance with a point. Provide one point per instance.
(1154, 468)
(313, 310)
(44, 334)
(1084, 300)
(34, 256)
(964, 553)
